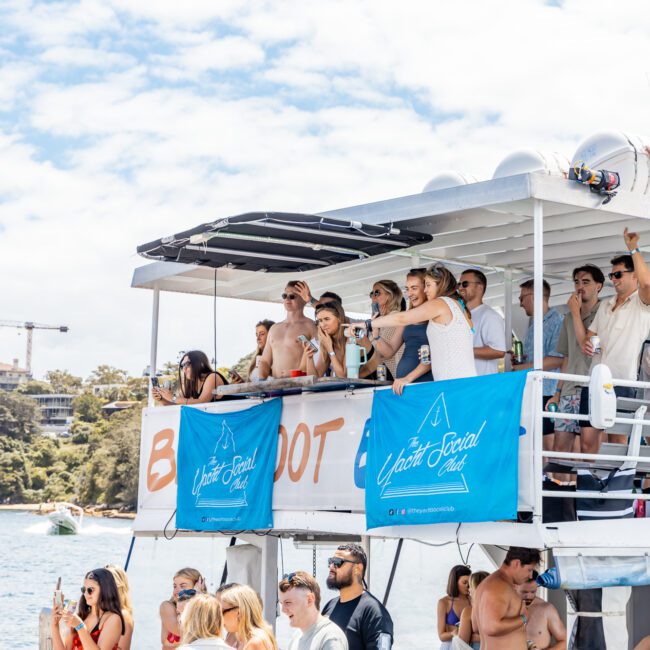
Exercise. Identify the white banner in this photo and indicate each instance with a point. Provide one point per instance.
(319, 464)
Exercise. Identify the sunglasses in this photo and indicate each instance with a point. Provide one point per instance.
(617, 274)
(88, 590)
(338, 561)
(229, 609)
(466, 283)
(289, 576)
(375, 294)
(185, 364)
(186, 594)
(288, 296)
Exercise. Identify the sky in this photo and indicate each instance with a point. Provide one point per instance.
(122, 121)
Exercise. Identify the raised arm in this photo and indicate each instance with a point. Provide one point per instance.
(640, 267)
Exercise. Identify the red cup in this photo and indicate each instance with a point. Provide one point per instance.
(297, 373)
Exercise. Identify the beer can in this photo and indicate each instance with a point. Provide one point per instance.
(552, 407)
(425, 355)
(595, 344)
(381, 372)
(518, 352)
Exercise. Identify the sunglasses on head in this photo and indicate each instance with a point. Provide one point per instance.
(289, 576)
(338, 561)
(288, 296)
(617, 274)
(88, 590)
(186, 594)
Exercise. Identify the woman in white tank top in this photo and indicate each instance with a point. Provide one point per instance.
(450, 330)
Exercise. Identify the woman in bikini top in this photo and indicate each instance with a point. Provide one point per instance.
(451, 606)
(98, 616)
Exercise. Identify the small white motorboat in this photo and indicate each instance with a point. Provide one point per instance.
(66, 519)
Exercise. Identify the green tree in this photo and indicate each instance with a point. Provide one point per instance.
(35, 387)
(64, 382)
(14, 478)
(19, 416)
(105, 374)
(88, 407)
(43, 452)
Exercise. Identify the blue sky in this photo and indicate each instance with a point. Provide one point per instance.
(124, 120)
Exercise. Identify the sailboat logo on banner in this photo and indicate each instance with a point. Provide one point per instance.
(222, 464)
(436, 445)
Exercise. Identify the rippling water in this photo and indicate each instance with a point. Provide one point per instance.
(31, 560)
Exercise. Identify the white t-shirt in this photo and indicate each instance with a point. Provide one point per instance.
(489, 330)
(622, 333)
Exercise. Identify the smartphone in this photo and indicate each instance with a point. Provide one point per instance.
(154, 382)
(375, 309)
(303, 339)
(58, 594)
(235, 375)
(71, 606)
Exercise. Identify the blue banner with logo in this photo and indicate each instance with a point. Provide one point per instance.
(445, 451)
(226, 463)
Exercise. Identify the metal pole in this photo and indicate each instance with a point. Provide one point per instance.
(538, 228)
(128, 557)
(507, 310)
(28, 352)
(154, 339)
(392, 570)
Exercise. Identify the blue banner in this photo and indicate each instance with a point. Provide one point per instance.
(226, 464)
(445, 451)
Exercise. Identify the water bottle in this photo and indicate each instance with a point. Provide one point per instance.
(549, 579)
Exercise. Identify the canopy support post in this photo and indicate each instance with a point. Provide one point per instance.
(538, 317)
(154, 340)
(507, 311)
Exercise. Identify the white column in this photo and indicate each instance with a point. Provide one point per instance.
(538, 229)
(507, 312)
(269, 582)
(154, 339)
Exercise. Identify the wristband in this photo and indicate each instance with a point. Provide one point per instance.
(635, 250)
(82, 624)
(524, 619)
(312, 300)
(332, 354)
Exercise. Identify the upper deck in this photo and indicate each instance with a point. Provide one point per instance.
(512, 228)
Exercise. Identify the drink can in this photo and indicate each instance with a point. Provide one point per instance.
(381, 372)
(595, 344)
(425, 354)
(552, 407)
(518, 351)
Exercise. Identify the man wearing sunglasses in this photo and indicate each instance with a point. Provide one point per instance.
(489, 328)
(622, 324)
(365, 621)
(283, 352)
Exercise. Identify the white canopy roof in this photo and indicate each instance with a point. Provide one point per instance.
(488, 225)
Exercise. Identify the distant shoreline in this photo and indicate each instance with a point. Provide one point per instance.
(44, 508)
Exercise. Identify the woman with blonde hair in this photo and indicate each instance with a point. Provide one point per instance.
(388, 298)
(170, 634)
(242, 617)
(201, 623)
(450, 330)
(122, 582)
(466, 630)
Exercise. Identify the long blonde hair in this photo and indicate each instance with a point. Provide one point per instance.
(396, 302)
(201, 619)
(122, 582)
(250, 613)
(187, 572)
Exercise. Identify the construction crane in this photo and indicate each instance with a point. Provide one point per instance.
(30, 327)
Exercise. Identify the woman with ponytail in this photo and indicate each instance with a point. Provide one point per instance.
(450, 330)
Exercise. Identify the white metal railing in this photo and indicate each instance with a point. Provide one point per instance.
(638, 422)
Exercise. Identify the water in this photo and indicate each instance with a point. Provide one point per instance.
(32, 560)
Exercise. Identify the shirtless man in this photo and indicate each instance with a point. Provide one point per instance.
(544, 622)
(283, 352)
(498, 612)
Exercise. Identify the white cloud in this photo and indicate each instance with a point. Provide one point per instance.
(197, 110)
